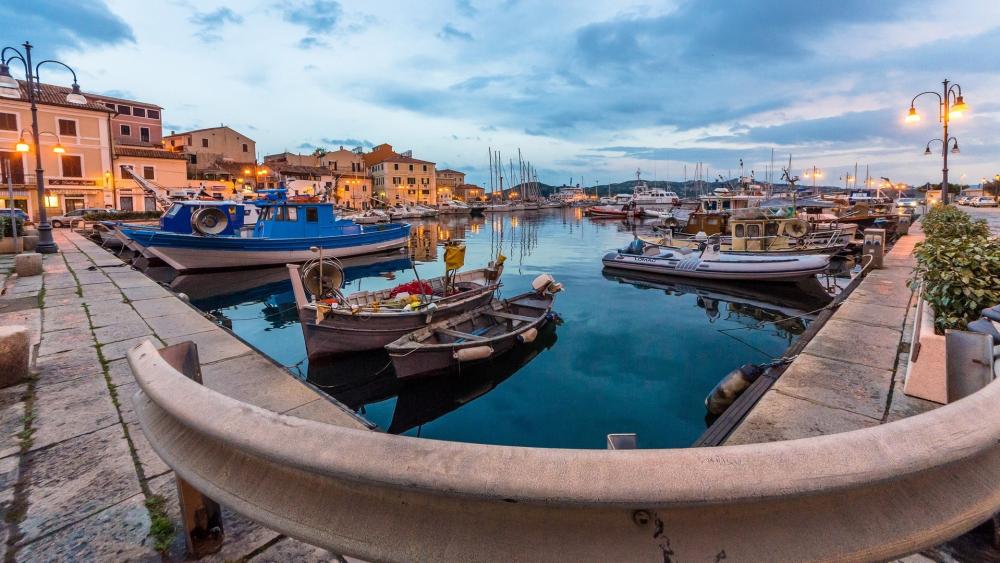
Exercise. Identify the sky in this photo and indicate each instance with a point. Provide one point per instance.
(588, 91)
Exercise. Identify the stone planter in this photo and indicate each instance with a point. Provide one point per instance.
(926, 369)
(7, 245)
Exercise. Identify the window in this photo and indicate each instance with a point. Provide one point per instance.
(125, 110)
(204, 142)
(148, 172)
(67, 127)
(8, 121)
(190, 142)
(72, 166)
(126, 203)
(334, 164)
(153, 113)
(411, 167)
(753, 231)
(312, 215)
(771, 230)
(425, 181)
(124, 168)
(292, 213)
(425, 192)
(245, 148)
(395, 167)
(740, 231)
(396, 180)
(425, 168)
(126, 130)
(411, 180)
(111, 106)
(173, 142)
(139, 112)
(144, 134)
(194, 159)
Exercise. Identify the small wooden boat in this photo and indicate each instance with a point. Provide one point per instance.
(368, 320)
(476, 336)
(709, 263)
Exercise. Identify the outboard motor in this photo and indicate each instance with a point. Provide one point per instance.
(731, 387)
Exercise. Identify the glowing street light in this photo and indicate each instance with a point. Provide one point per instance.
(950, 105)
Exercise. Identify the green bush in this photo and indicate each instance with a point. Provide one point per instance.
(5, 226)
(959, 265)
(122, 215)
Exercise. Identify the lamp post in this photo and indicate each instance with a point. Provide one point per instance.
(9, 88)
(814, 173)
(951, 104)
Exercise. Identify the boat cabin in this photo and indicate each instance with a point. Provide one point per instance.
(188, 217)
(765, 233)
(283, 218)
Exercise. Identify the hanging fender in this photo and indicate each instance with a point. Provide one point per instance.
(473, 353)
(527, 336)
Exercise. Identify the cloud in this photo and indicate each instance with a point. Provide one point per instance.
(319, 17)
(449, 32)
(349, 142)
(310, 42)
(54, 25)
(208, 23)
(466, 8)
(307, 147)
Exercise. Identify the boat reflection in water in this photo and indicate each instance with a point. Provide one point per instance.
(785, 309)
(216, 292)
(363, 379)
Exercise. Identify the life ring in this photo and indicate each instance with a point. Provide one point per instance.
(796, 228)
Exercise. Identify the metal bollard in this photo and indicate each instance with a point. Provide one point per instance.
(875, 246)
(903, 226)
(200, 515)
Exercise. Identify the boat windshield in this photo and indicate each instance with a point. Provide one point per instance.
(174, 210)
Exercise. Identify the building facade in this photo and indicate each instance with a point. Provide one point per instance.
(470, 192)
(80, 174)
(448, 181)
(206, 147)
(400, 178)
(133, 123)
(165, 170)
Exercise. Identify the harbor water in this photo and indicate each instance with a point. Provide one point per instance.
(631, 354)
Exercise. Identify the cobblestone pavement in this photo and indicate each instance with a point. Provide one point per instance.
(77, 476)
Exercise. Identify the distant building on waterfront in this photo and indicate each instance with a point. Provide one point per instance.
(204, 148)
(470, 192)
(400, 178)
(448, 181)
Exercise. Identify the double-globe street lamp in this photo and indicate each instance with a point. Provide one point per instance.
(951, 104)
(9, 88)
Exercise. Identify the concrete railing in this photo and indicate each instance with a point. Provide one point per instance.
(864, 495)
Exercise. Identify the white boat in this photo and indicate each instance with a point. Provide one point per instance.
(709, 263)
(503, 208)
(369, 217)
(645, 196)
(424, 211)
(453, 207)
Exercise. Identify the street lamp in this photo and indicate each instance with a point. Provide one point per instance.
(950, 105)
(814, 173)
(10, 88)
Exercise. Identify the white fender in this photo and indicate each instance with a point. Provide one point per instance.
(528, 335)
(472, 354)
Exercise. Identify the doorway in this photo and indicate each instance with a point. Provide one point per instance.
(74, 203)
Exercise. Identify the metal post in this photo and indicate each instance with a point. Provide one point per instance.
(944, 148)
(200, 515)
(10, 200)
(45, 243)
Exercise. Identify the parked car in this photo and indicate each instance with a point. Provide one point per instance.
(5, 212)
(962, 200)
(984, 201)
(72, 217)
(910, 202)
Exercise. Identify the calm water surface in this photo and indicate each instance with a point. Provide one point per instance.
(631, 355)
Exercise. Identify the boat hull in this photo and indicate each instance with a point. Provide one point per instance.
(186, 253)
(739, 267)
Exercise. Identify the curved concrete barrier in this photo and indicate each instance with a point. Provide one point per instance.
(864, 495)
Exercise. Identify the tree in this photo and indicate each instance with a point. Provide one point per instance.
(320, 152)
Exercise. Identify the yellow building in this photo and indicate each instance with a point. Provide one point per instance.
(163, 169)
(470, 192)
(400, 178)
(448, 181)
(74, 146)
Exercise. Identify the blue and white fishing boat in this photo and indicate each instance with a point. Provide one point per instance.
(210, 235)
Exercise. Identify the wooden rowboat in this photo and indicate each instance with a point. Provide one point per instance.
(472, 337)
